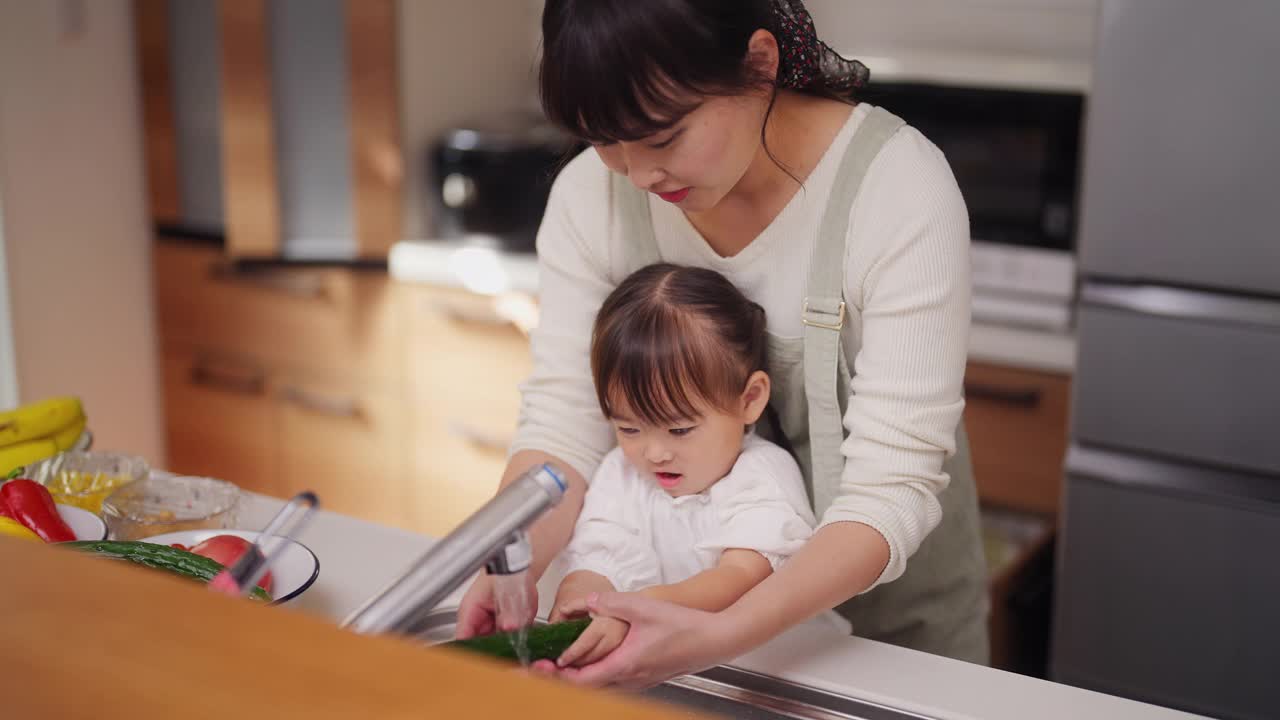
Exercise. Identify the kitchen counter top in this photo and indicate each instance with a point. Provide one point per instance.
(84, 638)
(289, 258)
(485, 270)
(357, 558)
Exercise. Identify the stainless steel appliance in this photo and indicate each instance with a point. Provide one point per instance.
(1168, 585)
(1015, 154)
(490, 180)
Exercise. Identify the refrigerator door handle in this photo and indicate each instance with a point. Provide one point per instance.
(1145, 471)
(1183, 304)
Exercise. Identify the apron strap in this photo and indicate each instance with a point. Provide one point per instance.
(824, 307)
(639, 246)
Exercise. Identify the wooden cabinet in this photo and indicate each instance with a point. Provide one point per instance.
(394, 403)
(465, 362)
(1017, 424)
(344, 439)
(284, 379)
(330, 320)
(218, 419)
(263, 111)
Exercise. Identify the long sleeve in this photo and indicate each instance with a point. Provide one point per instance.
(559, 413)
(907, 284)
(610, 536)
(909, 246)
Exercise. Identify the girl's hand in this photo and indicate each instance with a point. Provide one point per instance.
(571, 596)
(663, 641)
(598, 640)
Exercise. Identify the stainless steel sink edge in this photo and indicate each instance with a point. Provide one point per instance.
(780, 698)
(723, 690)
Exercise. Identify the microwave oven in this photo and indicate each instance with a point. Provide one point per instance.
(490, 180)
(1016, 154)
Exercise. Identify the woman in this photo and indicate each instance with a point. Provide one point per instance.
(725, 135)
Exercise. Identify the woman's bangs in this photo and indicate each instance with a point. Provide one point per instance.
(620, 72)
(606, 99)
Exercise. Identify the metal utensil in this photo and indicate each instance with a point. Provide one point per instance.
(240, 578)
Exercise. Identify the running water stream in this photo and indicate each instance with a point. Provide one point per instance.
(515, 610)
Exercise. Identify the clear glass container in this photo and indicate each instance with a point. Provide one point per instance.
(84, 478)
(170, 503)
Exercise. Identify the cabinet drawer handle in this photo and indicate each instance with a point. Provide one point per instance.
(242, 380)
(340, 407)
(302, 286)
(1024, 397)
(480, 439)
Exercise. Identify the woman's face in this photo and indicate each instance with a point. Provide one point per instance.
(695, 163)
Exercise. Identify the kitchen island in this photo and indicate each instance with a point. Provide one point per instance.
(358, 558)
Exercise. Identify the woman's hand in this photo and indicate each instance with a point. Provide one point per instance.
(664, 641)
(477, 612)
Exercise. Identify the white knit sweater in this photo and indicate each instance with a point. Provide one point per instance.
(906, 283)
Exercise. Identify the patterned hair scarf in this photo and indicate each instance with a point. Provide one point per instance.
(805, 58)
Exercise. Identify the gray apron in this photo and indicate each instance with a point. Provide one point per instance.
(940, 604)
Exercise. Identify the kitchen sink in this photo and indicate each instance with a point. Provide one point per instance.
(724, 691)
(733, 693)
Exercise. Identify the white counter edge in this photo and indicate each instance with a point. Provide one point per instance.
(438, 263)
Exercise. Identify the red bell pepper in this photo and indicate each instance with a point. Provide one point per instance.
(33, 506)
(5, 511)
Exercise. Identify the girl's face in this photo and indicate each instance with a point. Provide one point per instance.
(695, 163)
(689, 456)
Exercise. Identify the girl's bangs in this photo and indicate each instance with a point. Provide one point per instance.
(655, 398)
(661, 372)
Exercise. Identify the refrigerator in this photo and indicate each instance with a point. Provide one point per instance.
(1168, 568)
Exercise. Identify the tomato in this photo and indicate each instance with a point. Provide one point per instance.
(180, 546)
(227, 549)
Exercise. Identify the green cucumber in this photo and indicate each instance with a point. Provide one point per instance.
(545, 642)
(162, 557)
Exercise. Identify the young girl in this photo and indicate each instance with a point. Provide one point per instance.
(691, 506)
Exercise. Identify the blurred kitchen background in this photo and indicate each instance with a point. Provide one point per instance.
(288, 243)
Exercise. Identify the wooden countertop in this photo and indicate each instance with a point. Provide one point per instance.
(86, 637)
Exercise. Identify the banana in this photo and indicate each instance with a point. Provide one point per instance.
(38, 420)
(66, 438)
(25, 453)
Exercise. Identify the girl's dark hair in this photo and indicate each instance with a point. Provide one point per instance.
(669, 336)
(622, 70)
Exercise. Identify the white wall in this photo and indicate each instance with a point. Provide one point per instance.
(459, 61)
(76, 232)
(1059, 30)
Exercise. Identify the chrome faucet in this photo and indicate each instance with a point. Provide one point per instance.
(493, 537)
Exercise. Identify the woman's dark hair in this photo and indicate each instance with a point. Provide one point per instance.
(669, 336)
(622, 70)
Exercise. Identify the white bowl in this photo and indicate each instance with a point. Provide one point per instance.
(293, 571)
(83, 523)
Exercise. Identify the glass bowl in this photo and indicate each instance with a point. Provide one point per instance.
(84, 479)
(170, 503)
